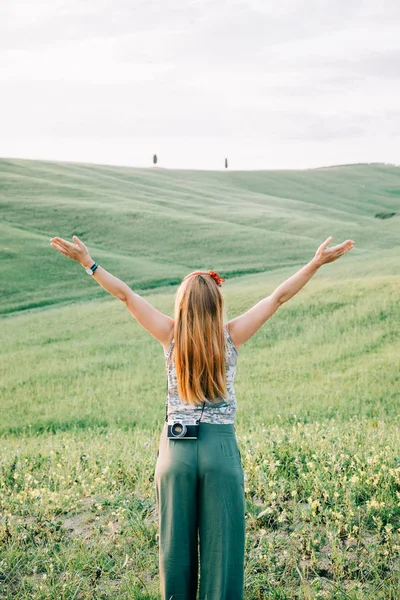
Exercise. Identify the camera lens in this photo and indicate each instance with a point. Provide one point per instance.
(178, 430)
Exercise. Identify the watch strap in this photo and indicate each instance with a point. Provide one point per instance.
(92, 268)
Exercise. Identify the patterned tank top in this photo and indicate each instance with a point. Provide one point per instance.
(214, 411)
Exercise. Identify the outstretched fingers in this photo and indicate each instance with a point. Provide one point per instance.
(59, 248)
(65, 247)
(326, 242)
(64, 243)
(343, 247)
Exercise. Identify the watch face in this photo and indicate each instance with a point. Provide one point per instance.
(89, 270)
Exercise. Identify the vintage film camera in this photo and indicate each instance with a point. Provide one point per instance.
(180, 431)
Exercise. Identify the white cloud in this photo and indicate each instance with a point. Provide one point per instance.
(290, 82)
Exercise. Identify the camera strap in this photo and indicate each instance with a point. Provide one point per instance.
(201, 414)
(166, 404)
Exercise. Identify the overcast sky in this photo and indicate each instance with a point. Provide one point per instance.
(266, 84)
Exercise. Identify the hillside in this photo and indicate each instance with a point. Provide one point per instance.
(151, 226)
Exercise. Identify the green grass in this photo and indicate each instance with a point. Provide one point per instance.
(83, 385)
(151, 226)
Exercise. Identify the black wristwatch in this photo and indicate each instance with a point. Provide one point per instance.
(91, 270)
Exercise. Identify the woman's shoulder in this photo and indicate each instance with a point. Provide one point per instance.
(228, 336)
(167, 346)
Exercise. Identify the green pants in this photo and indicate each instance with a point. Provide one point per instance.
(201, 511)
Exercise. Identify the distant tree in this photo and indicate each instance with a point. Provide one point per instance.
(155, 159)
(226, 163)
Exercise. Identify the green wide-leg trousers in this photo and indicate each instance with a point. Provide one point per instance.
(201, 511)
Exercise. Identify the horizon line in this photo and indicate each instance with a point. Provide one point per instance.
(122, 166)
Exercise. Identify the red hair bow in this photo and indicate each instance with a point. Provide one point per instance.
(218, 280)
(216, 277)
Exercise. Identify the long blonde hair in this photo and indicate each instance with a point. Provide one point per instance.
(199, 340)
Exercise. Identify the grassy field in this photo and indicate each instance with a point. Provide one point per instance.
(83, 384)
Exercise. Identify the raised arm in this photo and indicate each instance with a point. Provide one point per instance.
(243, 327)
(154, 321)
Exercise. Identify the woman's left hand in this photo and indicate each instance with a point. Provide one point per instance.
(326, 255)
(77, 251)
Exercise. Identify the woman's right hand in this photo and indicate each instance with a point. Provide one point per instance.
(326, 255)
(77, 251)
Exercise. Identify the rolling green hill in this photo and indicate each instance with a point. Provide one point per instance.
(151, 226)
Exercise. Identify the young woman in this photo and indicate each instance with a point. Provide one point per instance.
(199, 478)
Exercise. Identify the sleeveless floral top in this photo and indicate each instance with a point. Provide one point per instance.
(214, 411)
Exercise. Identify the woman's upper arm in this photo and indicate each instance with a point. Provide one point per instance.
(241, 328)
(153, 320)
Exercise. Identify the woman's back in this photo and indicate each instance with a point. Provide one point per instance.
(217, 412)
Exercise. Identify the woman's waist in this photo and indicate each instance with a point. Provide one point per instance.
(176, 401)
(224, 427)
